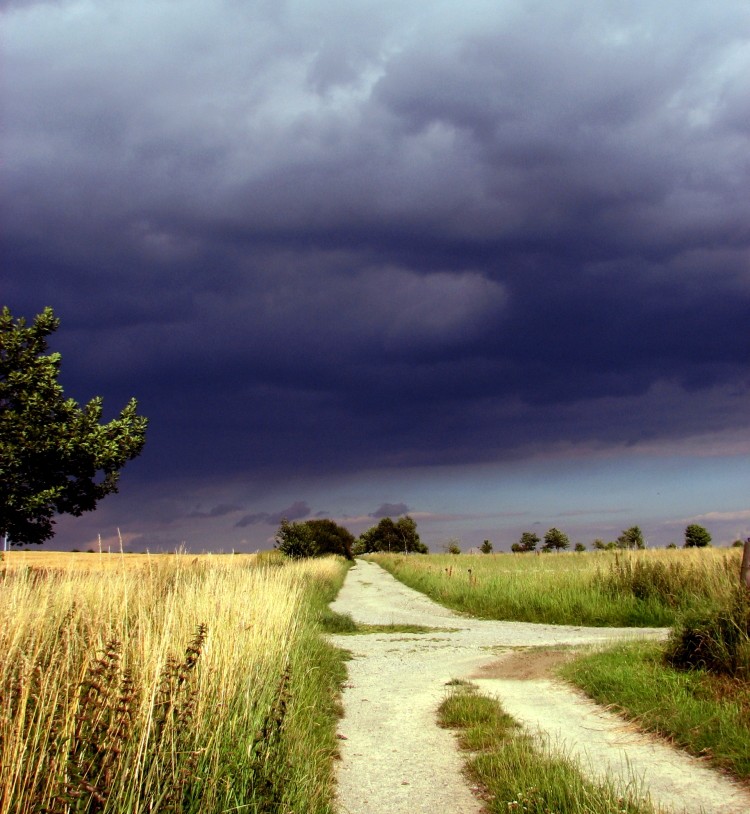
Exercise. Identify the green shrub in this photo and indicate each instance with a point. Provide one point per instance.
(718, 641)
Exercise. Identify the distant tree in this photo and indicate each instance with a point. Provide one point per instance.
(55, 457)
(738, 544)
(406, 529)
(600, 545)
(295, 540)
(696, 536)
(452, 547)
(388, 535)
(528, 542)
(314, 538)
(672, 545)
(580, 547)
(486, 547)
(631, 538)
(555, 539)
(330, 538)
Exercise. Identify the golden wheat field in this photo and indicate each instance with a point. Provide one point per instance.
(134, 683)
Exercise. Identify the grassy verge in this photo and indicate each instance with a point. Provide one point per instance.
(343, 624)
(629, 589)
(520, 774)
(180, 684)
(706, 714)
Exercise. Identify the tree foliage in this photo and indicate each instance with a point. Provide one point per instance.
(295, 539)
(555, 539)
(486, 547)
(528, 542)
(697, 536)
(631, 538)
(314, 538)
(55, 456)
(389, 535)
(330, 538)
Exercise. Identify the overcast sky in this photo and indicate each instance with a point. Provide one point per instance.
(484, 262)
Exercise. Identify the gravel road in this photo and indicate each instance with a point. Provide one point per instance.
(395, 759)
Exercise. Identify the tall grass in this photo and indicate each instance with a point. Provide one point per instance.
(639, 588)
(180, 685)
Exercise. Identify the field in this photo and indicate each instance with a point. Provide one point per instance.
(649, 588)
(134, 683)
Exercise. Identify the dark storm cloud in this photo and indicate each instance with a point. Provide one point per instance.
(312, 237)
(297, 511)
(389, 510)
(220, 510)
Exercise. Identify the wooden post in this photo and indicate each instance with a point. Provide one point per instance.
(745, 567)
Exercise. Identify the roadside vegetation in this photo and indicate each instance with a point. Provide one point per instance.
(170, 683)
(693, 690)
(518, 772)
(704, 713)
(651, 588)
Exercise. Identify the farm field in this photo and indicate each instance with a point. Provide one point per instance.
(650, 588)
(174, 683)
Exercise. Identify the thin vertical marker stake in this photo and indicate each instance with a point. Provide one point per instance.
(745, 567)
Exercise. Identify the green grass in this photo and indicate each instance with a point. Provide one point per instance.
(343, 624)
(705, 714)
(628, 589)
(518, 772)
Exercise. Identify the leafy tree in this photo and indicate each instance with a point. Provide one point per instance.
(388, 535)
(600, 545)
(314, 538)
(555, 539)
(580, 547)
(55, 457)
(330, 538)
(631, 538)
(452, 547)
(696, 536)
(486, 547)
(528, 542)
(295, 540)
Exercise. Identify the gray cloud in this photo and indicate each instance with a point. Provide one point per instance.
(390, 510)
(220, 510)
(316, 239)
(296, 511)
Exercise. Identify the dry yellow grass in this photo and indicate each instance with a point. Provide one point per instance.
(85, 561)
(173, 680)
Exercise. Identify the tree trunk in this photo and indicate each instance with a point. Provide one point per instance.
(745, 567)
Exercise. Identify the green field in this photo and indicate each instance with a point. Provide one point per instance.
(650, 588)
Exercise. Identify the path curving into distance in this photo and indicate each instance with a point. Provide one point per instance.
(396, 760)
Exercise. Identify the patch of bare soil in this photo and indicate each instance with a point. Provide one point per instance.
(526, 665)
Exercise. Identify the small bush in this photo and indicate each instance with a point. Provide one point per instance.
(719, 641)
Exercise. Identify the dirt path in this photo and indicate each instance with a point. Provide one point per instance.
(396, 759)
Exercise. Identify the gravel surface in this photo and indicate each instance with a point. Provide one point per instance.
(396, 759)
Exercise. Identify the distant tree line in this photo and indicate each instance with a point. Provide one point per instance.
(316, 538)
(630, 539)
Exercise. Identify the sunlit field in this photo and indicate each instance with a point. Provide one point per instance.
(134, 683)
(628, 588)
